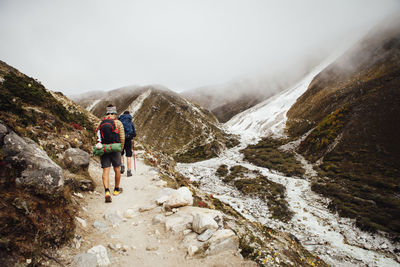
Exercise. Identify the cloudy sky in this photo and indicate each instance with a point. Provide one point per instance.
(78, 46)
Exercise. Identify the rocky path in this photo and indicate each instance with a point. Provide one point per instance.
(132, 237)
(334, 239)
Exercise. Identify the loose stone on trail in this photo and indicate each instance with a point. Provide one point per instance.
(81, 221)
(207, 234)
(101, 254)
(102, 226)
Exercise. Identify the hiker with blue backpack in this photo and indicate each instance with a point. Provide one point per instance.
(130, 133)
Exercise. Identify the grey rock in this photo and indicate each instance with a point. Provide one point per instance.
(202, 222)
(102, 226)
(223, 234)
(77, 241)
(187, 231)
(190, 240)
(163, 195)
(221, 241)
(101, 255)
(207, 234)
(227, 244)
(181, 197)
(113, 217)
(178, 223)
(81, 221)
(129, 213)
(85, 260)
(76, 159)
(192, 250)
(38, 170)
(161, 200)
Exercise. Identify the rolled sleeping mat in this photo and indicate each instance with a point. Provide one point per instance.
(107, 148)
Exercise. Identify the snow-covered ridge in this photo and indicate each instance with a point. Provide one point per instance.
(268, 118)
(138, 102)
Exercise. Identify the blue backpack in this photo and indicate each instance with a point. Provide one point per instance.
(129, 128)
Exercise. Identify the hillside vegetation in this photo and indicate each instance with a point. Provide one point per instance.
(36, 127)
(353, 110)
(31, 110)
(170, 124)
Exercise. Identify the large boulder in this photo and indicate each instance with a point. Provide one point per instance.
(163, 195)
(33, 167)
(101, 255)
(85, 260)
(178, 222)
(223, 240)
(181, 197)
(202, 222)
(34, 200)
(76, 159)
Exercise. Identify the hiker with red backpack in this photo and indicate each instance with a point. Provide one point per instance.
(130, 133)
(111, 135)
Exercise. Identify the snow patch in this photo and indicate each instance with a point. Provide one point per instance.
(138, 102)
(90, 108)
(268, 118)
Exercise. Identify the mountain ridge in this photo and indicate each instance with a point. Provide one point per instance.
(351, 113)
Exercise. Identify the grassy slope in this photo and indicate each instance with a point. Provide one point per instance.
(267, 154)
(30, 110)
(252, 183)
(32, 221)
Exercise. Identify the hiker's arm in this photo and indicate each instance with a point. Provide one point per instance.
(121, 131)
(98, 136)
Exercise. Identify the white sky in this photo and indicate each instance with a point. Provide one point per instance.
(78, 46)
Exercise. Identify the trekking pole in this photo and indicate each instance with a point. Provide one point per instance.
(134, 157)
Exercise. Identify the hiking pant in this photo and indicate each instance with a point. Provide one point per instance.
(113, 158)
(127, 148)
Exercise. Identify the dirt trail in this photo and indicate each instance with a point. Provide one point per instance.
(136, 233)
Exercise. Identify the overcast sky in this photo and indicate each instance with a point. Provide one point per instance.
(79, 46)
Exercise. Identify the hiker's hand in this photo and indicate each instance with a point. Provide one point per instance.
(99, 146)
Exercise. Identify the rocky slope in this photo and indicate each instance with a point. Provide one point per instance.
(351, 110)
(166, 122)
(38, 135)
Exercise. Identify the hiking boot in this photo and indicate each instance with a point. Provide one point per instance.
(108, 197)
(117, 191)
(122, 169)
(129, 173)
